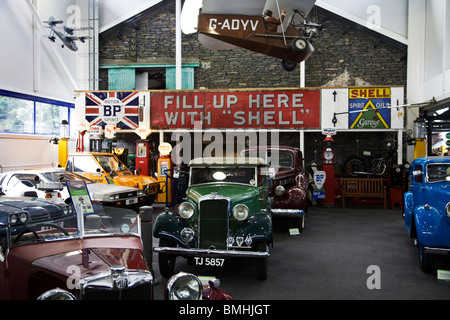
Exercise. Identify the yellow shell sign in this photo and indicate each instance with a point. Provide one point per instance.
(165, 149)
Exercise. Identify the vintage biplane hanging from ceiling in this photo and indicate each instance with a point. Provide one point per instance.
(276, 28)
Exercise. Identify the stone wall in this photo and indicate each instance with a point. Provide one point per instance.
(343, 57)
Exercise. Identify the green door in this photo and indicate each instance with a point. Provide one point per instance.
(187, 78)
(122, 79)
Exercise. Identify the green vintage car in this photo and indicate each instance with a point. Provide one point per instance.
(226, 214)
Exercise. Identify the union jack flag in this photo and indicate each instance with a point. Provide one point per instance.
(97, 110)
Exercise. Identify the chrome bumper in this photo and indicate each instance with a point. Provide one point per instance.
(436, 251)
(211, 253)
(287, 213)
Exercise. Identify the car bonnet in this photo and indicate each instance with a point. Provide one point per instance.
(88, 262)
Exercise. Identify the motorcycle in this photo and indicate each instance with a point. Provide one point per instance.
(370, 165)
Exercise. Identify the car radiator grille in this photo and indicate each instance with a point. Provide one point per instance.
(44, 215)
(128, 195)
(213, 224)
(140, 292)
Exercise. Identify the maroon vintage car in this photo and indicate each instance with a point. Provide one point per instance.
(51, 253)
(290, 184)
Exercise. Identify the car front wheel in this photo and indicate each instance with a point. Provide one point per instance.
(166, 261)
(261, 263)
(426, 260)
(301, 222)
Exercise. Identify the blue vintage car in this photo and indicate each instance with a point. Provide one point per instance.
(427, 208)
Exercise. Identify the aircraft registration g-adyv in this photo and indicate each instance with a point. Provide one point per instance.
(276, 28)
(68, 38)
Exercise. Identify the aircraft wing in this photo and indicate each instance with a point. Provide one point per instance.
(247, 7)
(75, 38)
(255, 7)
(53, 21)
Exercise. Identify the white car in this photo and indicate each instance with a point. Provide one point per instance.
(51, 184)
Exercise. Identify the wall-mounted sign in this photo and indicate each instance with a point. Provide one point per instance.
(110, 131)
(369, 108)
(83, 126)
(96, 130)
(143, 131)
(236, 109)
(113, 108)
(329, 131)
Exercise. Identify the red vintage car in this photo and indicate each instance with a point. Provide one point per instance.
(51, 253)
(290, 183)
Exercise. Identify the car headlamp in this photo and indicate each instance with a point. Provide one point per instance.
(23, 217)
(14, 218)
(56, 294)
(184, 286)
(187, 235)
(240, 212)
(66, 210)
(279, 191)
(186, 210)
(447, 209)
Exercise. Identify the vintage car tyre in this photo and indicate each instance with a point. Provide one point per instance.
(288, 65)
(426, 260)
(166, 262)
(299, 45)
(261, 263)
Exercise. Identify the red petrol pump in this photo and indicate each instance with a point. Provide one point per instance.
(143, 159)
(328, 167)
(164, 163)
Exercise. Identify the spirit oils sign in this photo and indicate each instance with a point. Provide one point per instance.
(369, 108)
(236, 109)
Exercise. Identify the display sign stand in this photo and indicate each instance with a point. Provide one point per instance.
(81, 202)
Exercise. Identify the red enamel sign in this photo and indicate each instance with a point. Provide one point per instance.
(277, 109)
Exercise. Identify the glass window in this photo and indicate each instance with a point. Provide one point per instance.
(16, 115)
(24, 114)
(284, 159)
(418, 174)
(110, 163)
(49, 117)
(439, 172)
(85, 164)
(223, 174)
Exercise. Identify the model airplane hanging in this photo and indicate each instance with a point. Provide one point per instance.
(68, 38)
(276, 28)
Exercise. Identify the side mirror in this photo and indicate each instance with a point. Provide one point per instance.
(417, 173)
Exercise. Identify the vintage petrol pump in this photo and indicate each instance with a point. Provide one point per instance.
(165, 163)
(328, 167)
(63, 143)
(143, 159)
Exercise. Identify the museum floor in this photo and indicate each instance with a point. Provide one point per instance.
(332, 259)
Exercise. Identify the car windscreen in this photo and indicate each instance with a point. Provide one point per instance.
(64, 176)
(273, 158)
(110, 163)
(105, 221)
(244, 175)
(438, 172)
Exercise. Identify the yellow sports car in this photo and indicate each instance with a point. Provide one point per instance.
(107, 168)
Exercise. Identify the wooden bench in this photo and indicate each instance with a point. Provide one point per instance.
(362, 187)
